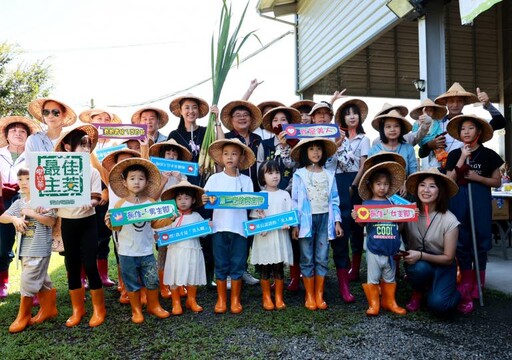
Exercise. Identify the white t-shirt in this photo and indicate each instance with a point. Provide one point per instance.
(136, 239)
(77, 212)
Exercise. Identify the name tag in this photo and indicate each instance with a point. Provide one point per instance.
(167, 165)
(269, 223)
(306, 131)
(386, 213)
(142, 213)
(170, 236)
(234, 200)
(103, 153)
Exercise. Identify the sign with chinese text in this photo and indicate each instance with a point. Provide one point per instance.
(144, 212)
(183, 167)
(185, 232)
(236, 200)
(386, 213)
(398, 200)
(122, 131)
(102, 153)
(59, 179)
(269, 223)
(306, 131)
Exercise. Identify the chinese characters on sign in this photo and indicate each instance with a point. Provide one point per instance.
(183, 167)
(269, 223)
(306, 131)
(103, 153)
(141, 213)
(235, 200)
(386, 213)
(185, 232)
(122, 131)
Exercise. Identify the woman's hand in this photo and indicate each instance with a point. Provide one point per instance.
(214, 110)
(282, 137)
(413, 257)
(295, 233)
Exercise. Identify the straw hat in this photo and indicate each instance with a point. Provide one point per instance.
(184, 153)
(225, 114)
(413, 179)
(150, 141)
(393, 114)
(110, 160)
(320, 105)
(175, 107)
(35, 108)
(171, 192)
(439, 111)
(456, 90)
(163, 118)
(397, 172)
(270, 103)
(90, 130)
(293, 113)
(386, 108)
(33, 127)
(303, 103)
(381, 157)
(86, 116)
(453, 127)
(360, 104)
(116, 179)
(215, 151)
(329, 146)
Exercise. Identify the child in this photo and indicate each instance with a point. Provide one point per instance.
(272, 249)
(315, 197)
(137, 181)
(35, 252)
(229, 240)
(184, 264)
(383, 239)
(475, 168)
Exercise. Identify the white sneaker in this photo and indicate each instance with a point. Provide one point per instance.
(249, 279)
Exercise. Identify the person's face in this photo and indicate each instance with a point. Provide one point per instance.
(305, 118)
(352, 119)
(279, 119)
(429, 111)
(189, 111)
(17, 136)
(428, 191)
(184, 202)
(103, 118)
(133, 145)
(468, 132)
(454, 105)
(171, 154)
(53, 114)
(322, 116)
(85, 145)
(392, 129)
(272, 178)
(151, 119)
(315, 153)
(231, 156)
(135, 181)
(241, 120)
(380, 187)
(24, 183)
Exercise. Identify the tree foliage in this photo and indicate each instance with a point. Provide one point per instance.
(22, 83)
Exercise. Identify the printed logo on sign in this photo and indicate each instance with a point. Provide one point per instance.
(252, 227)
(39, 178)
(290, 130)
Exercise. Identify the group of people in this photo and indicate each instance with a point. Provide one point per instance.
(321, 178)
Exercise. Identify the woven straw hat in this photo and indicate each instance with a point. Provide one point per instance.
(439, 111)
(320, 105)
(225, 114)
(8, 120)
(301, 103)
(386, 108)
(293, 113)
(413, 179)
(360, 104)
(163, 118)
(215, 151)
(393, 114)
(270, 103)
(381, 157)
(89, 129)
(35, 108)
(110, 160)
(175, 108)
(456, 90)
(116, 179)
(184, 153)
(86, 116)
(397, 172)
(171, 192)
(453, 127)
(329, 146)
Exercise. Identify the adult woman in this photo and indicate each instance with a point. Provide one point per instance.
(265, 107)
(155, 119)
(304, 107)
(14, 131)
(431, 243)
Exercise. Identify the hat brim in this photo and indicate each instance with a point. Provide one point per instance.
(402, 110)
(269, 116)
(439, 111)
(89, 129)
(271, 103)
(225, 114)
(163, 117)
(175, 108)
(110, 160)
(8, 120)
(360, 104)
(468, 97)
(215, 151)
(153, 183)
(329, 146)
(453, 127)
(397, 172)
(35, 108)
(412, 181)
(184, 153)
(87, 117)
(171, 192)
(381, 157)
(376, 122)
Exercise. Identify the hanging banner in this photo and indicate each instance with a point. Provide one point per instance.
(236, 200)
(470, 9)
(185, 232)
(183, 167)
(122, 131)
(269, 223)
(59, 180)
(141, 213)
(306, 131)
(386, 213)
(103, 153)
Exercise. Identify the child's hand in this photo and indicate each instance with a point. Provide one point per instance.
(295, 233)
(465, 152)
(471, 175)
(144, 141)
(286, 227)
(204, 198)
(28, 212)
(107, 220)
(403, 190)
(210, 224)
(20, 225)
(264, 233)
(339, 230)
(41, 210)
(173, 218)
(261, 213)
(353, 214)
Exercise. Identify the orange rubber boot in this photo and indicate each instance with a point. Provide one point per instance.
(98, 307)
(221, 306)
(137, 316)
(388, 298)
(236, 289)
(24, 314)
(280, 305)
(319, 292)
(77, 302)
(47, 306)
(266, 297)
(309, 284)
(191, 302)
(153, 306)
(372, 295)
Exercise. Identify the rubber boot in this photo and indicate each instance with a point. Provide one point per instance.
(77, 302)
(98, 307)
(415, 303)
(474, 292)
(182, 290)
(353, 273)
(165, 292)
(294, 284)
(137, 316)
(176, 302)
(343, 286)
(143, 296)
(465, 305)
(388, 298)
(24, 314)
(103, 270)
(47, 308)
(4, 284)
(372, 295)
(266, 297)
(220, 306)
(154, 307)
(319, 292)
(236, 290)
(280, 305)
(309, 284)
(120, 283)
(83, 278)
(191, 302)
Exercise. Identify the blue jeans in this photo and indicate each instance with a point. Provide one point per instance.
(230, 255)
(439, 282)
(135, 269)
(314, 250)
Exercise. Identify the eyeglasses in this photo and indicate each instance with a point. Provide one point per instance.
(55, 112)
(240, 116)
